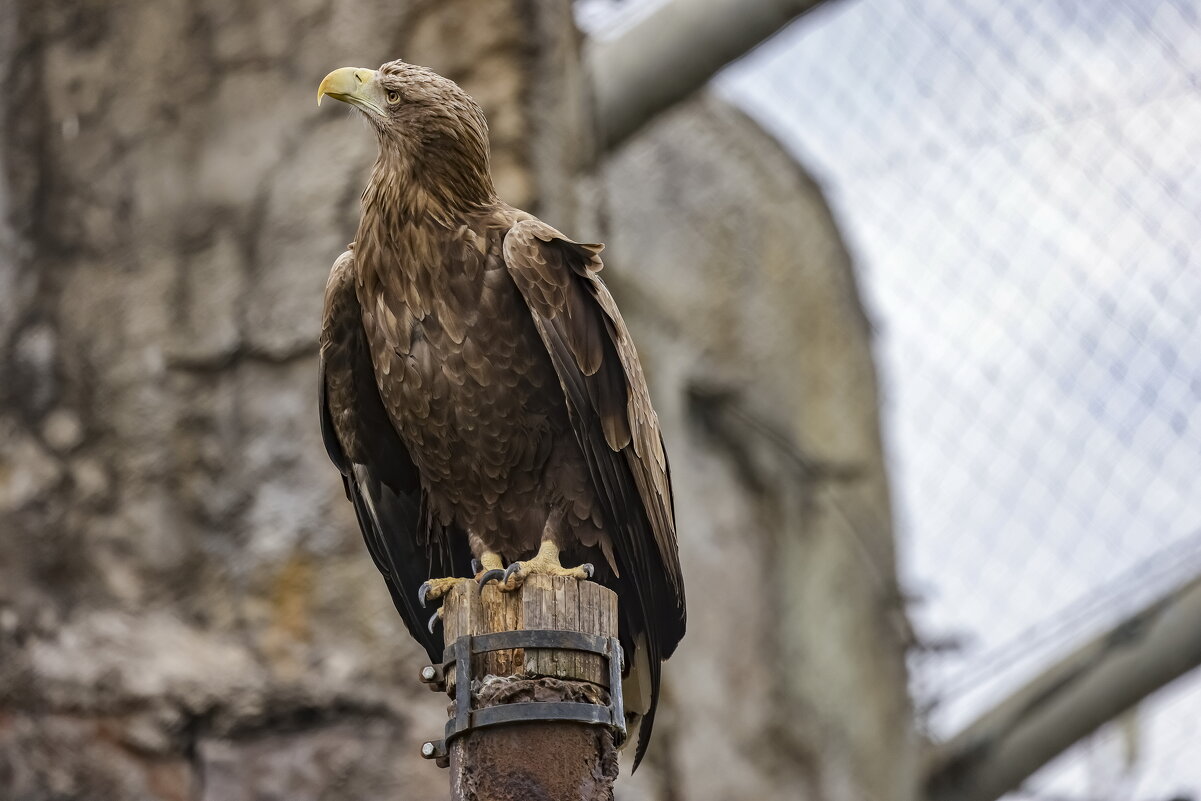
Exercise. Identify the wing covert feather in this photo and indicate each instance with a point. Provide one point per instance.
(615, 425)
(378, 475)
(575, 312)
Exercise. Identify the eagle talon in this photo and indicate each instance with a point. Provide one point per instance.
(491, 575)
(435, 588)
(476, 566)
(435, 619)
(511, 571)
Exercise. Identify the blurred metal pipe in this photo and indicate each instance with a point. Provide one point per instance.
(672, 53)
(1069, 700)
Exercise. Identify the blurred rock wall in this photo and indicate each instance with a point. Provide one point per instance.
(186, 608)
(740, 293)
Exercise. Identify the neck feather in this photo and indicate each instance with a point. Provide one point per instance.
(407, 190)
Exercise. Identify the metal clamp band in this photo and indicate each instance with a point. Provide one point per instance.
(467, 719)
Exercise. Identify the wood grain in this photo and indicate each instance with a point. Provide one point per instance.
(551, 760)
(544, 602)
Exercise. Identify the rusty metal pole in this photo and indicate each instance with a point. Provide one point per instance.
(538, 759)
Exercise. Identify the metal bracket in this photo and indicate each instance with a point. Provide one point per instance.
(467, 719)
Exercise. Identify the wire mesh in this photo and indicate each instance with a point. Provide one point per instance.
(1016, 184)
(1019, 187)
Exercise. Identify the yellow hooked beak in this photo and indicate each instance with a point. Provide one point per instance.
(354, 85)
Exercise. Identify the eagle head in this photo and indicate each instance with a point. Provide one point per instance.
(431, 133)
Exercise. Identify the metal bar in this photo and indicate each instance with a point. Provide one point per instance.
(532, 638)
(616, 701)
(462, 657)
(465, 720)
(535, 711)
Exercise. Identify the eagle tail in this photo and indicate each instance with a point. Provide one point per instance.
(640, 693)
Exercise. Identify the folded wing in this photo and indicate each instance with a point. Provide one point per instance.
(618, 431)
(379, 477)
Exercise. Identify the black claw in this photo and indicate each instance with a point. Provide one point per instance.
(588, 569)
(423, 592)
(476, 567)
(434, 620)
(510, 570)
(491, 575)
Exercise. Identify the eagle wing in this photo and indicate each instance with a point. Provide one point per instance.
(618, 431)
(379, 476)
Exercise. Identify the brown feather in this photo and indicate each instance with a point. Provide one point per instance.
(492, 358)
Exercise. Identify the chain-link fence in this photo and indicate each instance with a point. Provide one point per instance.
(1019, 184)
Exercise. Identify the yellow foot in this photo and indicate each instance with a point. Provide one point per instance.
(545, 563)
(487, 568)
(435, 588)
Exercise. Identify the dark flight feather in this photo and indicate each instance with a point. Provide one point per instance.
(379, 477)
(616, 427)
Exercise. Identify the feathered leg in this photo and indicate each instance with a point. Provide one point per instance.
(546, 563)
(547, 560)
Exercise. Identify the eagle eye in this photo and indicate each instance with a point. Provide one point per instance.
(393, 96)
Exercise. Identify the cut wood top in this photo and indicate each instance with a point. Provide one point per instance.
(543, 602)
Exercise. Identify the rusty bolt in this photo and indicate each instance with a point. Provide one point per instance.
(428, 673)
(427, 750)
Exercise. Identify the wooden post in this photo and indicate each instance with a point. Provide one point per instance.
(545, 760)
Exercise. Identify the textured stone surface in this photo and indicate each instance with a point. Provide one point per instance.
(742, 298)
(177, 560)
(186, 608)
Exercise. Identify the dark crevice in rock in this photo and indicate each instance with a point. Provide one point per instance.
(239, 355)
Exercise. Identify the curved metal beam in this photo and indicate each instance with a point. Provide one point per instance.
(1099, 681)
(671, 53)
